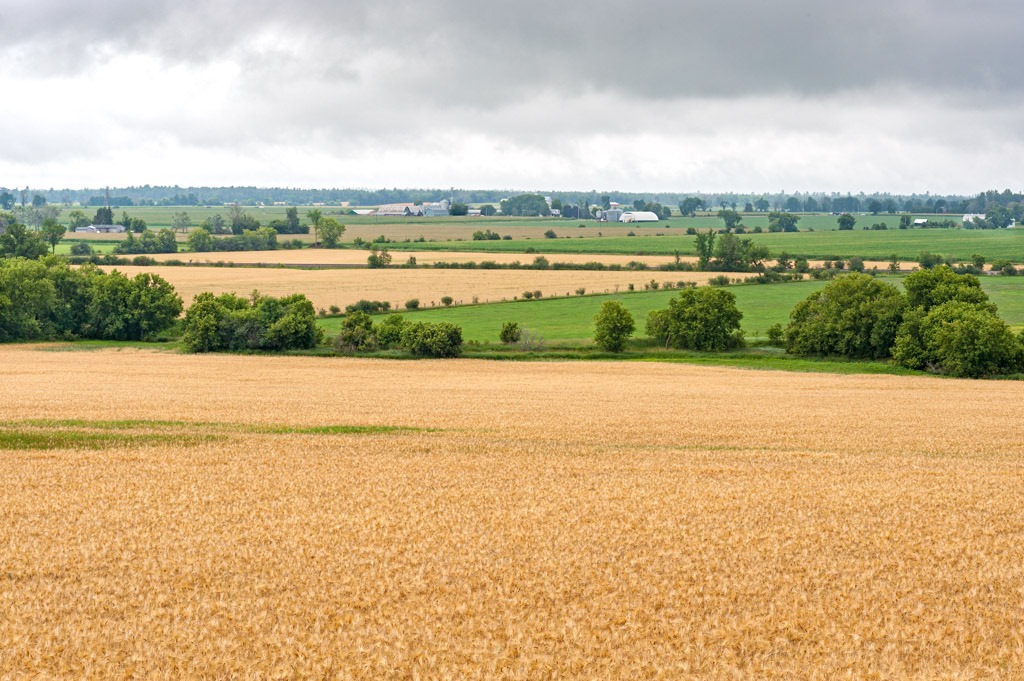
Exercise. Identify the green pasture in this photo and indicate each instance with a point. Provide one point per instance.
(907, 244)
(161, 216)
(572, 319)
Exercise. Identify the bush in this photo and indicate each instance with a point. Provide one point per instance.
(550, 234)
(368, 306)
(447, 301)
(853, 316)
(81, 248)
(413, 304)
(424, 339)
(720, 280)
(776, 335)
(335, 309)
(48, 300)
(930, 288)
(929, 260)
(613, 326)
(704, 319)
(230, 322)
(510, 333)
(356, 334)
(389, 331)
(959, 339)
(162, 241)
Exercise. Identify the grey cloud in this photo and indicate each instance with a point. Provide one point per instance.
(650, 49)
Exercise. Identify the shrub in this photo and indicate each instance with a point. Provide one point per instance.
(528, 295)
(81, 248)
(389, 331)
(581, 291)
(356, 334)
(704, 319)
(369, 306)
(412, 304)
(550, 234)
(929, 260)
(447, 301)
(959, 339)
(335, 309)
(930, 288)
(424, 339)
(854, 316)
(230, 322)
(510, 333)
(531, 341)
(720, 280)
(613, 326)
(776, 335)
(379, 257)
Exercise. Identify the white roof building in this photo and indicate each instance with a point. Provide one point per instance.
(400, 210)
(639, 216)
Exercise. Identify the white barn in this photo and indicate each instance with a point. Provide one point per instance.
(639, 216)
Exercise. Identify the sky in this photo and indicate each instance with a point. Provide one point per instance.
(897, 96)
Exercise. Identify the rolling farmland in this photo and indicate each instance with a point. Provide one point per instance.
(311, 517)
(572, 319)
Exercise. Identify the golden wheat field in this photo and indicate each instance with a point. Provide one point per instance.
(329, 256)
(344, 286)
(174, 516)
(324, 257)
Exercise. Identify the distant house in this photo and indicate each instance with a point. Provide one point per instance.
(611, 215)
(969, 217)
(640, 216)
(101, 229)
(556, 213)
(363, 211)
(921, 222)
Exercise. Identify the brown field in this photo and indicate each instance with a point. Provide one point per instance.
(548, 520)
(344, 286)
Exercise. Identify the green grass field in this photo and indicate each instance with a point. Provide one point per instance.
(572, 319)
(661, 238)
(961, 244)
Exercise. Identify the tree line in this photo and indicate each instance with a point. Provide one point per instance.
(943, 323)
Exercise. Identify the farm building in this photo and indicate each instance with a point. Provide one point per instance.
(434, 210)
(640, 216)
(101, 229)
(969, 217)
(400, 210)
(921, 222)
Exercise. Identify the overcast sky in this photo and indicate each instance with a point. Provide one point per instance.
(670, 95)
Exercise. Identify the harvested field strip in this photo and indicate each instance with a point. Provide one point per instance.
(85, 434)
